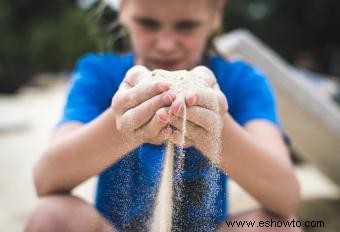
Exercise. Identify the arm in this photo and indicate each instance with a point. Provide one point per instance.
(254, 155)
(257, 158)
(79, 151)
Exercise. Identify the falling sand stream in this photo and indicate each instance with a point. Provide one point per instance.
(181, 82)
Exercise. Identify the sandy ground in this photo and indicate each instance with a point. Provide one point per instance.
(26, 122)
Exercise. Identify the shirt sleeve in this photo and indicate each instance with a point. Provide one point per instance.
(86, 98)
(255, 98)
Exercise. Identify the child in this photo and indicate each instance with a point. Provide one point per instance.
(107, 102)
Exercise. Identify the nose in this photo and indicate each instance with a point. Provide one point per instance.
(166, 42)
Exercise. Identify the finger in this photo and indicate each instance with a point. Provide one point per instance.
(143, 113)
(203, 117)
(206, 75)
(177, 123)
(162, 136)
(223, 103)
(130, 98)
(193, 133)
(177, 107)
(209, 99)
(205, 98)
(177, 138)
(197, 137)
(134, 75)
(198, 115)
(158, 122)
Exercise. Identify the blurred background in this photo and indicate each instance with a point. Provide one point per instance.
(39, 36)
(40, 42)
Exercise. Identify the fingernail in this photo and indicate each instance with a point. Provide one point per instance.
(179, 110)
(191, 100)
(172, 110)
(172, 95)
(176, 108)
(169, 97)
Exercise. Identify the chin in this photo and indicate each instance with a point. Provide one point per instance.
(173, 67)
(168, 67)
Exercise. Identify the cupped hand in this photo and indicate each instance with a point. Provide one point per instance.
(205, 109)
(141, 107)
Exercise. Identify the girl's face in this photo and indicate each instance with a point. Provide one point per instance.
(169, 34)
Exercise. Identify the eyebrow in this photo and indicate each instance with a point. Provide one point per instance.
(146, 20)
(154, 22)
(188, 22)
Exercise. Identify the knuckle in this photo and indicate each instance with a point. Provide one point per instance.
(156, 103)
(119, 126)
(207, 75)
(153, 104)
(223, 102)
(129, 98)
(125, 123)
(158, 123)
(154, 88)
(114, 106)
(134, 73)
(115, 102)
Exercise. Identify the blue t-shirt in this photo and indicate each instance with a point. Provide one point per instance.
(126, 190)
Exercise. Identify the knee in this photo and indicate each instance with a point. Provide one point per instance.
(48, 216)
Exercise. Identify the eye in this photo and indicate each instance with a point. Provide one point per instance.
(148, 24)
(187, 26)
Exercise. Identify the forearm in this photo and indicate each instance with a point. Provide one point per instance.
(264, 172)
(80, 154)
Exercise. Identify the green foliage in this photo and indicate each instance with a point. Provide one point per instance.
(56, 44)
(43, 38)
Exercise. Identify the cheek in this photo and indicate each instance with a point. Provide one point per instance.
(195, 46)
(141, 41)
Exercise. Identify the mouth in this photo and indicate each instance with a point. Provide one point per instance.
(166, 64)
